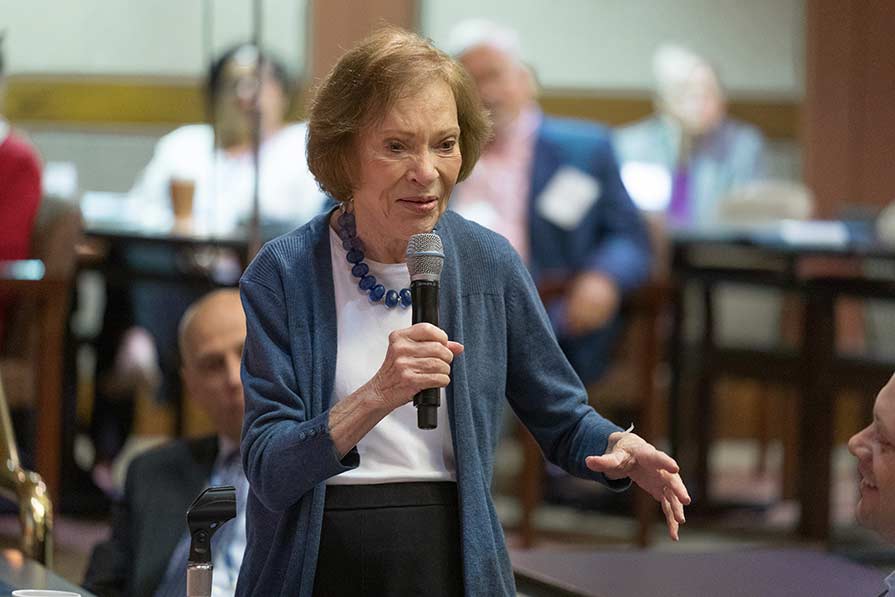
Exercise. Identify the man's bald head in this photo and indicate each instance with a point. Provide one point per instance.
(211, 337)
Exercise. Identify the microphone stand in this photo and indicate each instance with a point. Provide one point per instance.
(213, 507)
(254, 233)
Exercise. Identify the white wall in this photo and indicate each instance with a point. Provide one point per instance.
(599, 44)
(608, 44)
(142, 37)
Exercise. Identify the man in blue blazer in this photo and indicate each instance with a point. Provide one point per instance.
(552, 187)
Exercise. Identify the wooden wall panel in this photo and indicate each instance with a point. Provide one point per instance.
(337, 24)
(848, 121)
(110, 101)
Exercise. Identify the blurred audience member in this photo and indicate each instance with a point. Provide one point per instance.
(874, 447)
(19, 192)
(214, 161)
(552, 187)
(684, 159)
(203, 175)
(147, 552)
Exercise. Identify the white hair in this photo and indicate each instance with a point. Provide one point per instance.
(673, 65)
(472, 33)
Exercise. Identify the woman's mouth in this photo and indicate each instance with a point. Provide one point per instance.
(422, 205)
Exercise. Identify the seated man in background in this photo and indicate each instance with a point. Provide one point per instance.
(20, 192)
(147, 552)
(552, 187)
(685, 158)
(208, 170)
(874, 447)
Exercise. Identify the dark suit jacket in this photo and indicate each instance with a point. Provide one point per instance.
(150, 520)
(611, 236)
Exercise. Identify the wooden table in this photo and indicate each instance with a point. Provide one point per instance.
(18, 572)
(745, 573)
(815, 368)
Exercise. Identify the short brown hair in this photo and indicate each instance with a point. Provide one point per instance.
(365, 83)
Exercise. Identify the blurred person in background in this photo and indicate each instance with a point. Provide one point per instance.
(146, 554)
(552, 187)
(216, 158)
(874, 447)
(214, 163)
(685, 158)
(20, 192)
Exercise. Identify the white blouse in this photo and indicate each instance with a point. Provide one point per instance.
(395, 450)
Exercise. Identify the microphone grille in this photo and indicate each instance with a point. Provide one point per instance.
(425, 256)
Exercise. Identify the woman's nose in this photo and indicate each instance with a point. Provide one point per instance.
(423, 172)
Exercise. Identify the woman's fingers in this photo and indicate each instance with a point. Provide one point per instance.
(422, 350)
(605, 463)
(424, 332)
(676, 485)
(657, 459)
(430, 366)
(670, 519)
(418, 357)
(455, 347)
(676, 507)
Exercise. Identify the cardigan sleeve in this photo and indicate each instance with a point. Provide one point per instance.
(544, 390)
(285, 453)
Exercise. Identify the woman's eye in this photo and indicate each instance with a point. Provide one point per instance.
(395, 146)
(448, 144)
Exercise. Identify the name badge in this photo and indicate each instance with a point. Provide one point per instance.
(568, 196)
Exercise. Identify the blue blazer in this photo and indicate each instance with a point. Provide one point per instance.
(489, 304)
(611, 236)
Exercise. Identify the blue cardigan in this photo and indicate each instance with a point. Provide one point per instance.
(487, 302)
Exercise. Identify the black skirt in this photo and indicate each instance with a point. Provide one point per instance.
(390, 539)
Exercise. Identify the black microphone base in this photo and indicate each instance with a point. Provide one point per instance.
(426, 416)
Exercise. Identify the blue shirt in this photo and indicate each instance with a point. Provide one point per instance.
(488, 303)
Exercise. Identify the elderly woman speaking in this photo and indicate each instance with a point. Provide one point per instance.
(349, 496)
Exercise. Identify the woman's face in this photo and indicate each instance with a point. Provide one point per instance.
(407, 166)
(233, 107)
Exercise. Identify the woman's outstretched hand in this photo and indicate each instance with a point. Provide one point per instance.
(629, 455)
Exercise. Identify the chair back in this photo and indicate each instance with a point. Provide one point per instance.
(28, 491)
(57, 229)
(885, 224)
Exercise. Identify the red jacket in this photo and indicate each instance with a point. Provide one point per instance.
(19, 196)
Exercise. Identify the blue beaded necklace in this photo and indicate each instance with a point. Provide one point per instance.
(359, 269)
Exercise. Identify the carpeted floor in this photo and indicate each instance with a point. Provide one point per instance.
(765, 521)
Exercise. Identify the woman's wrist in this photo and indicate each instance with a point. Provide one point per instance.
(352, 417)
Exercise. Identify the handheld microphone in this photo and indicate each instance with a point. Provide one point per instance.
(425, 259)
